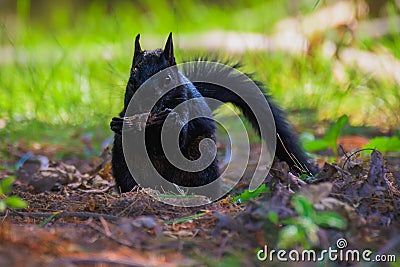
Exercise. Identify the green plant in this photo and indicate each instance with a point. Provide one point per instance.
(303, 228)
(13, 202)
(385, 144)
(48, 219)
(329, 140)
(185, 219)
(247, 194)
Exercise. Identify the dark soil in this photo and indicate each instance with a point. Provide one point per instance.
(76, 217)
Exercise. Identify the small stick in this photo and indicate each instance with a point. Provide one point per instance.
(64, 214)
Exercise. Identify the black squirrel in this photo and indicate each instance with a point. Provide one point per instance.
(147, 63)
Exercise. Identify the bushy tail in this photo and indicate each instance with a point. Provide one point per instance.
(288, 147)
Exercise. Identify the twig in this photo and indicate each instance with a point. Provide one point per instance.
(105, 225)
(355, 152)
(64, 214)
(96, 190)
(5, 216)
(134, 189)
(347, 159)
(344, 152)
(110, 236)
(350, 201)
(302, 168)
(96, 261)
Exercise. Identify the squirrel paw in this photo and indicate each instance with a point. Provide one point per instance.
(116, 125)
(158, 119)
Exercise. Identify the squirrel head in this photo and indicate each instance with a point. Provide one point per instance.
(146, 63)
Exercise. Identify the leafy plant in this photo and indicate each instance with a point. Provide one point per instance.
(329, 140)
(247, 194)
(48, 219)
(385, 144)
(185, 219)
(303, 228)
(13, 202)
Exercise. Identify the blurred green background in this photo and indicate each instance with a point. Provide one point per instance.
(64, 64)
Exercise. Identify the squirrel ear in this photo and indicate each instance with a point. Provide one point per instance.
(138, 49)
(169, 50)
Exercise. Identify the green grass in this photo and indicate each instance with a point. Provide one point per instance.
(84, 140)
(68, 67)
(74, 71)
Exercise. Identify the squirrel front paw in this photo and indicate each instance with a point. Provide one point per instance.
(158, 119)
(116, 125)
(136, 122)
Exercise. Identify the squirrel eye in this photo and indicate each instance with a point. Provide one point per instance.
(168, 79)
